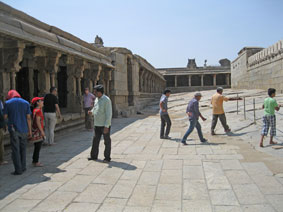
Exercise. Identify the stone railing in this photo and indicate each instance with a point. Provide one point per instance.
(266, 54)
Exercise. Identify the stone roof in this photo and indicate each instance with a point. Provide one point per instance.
(19, 25)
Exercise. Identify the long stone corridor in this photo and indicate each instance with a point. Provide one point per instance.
(147, 173)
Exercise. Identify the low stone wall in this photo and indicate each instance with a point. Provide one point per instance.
(259, 69)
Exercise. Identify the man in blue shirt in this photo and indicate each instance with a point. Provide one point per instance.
(194, 114)
(164, 116)
(2, 126)
(18, 113)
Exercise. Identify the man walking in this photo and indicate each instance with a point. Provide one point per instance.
(164, 116)
(102, 113)
(2, 126)
(88, 104)
(194, 114)
(269, 118)
(218, 111)
(17, 111)
(51, 106)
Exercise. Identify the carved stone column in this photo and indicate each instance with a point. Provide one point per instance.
(228, 79)
(202, 80)
(176, 81)
(190, 80)
(75, 70)
(214, 80)
(11, 54)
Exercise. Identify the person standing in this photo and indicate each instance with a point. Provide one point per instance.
(164, 116)
(194, 114)
(218, 111)
(51, 106)
(2, 127)
(38, 134)
(102, 113)
(17, 112)
(269, 118)
(88, 105)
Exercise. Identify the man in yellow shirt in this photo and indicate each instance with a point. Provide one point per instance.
(218, 111)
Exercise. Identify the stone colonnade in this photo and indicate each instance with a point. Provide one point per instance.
(149, 82)
(32, 70)
(201, 80)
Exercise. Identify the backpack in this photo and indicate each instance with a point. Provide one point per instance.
(2, 121)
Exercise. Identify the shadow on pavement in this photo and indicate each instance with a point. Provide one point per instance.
(122, 165)
(56, 159)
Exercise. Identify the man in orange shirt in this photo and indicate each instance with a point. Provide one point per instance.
(218, 111)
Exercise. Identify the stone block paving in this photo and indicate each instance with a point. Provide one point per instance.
(146, 174)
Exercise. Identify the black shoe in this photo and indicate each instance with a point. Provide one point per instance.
(167, 137)
(213, 133)
(92, 158)
(203, 140)
(184, 143)
(106, 161)
(162, 137)
(15, 173)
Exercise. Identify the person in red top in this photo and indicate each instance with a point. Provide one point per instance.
(38, 134)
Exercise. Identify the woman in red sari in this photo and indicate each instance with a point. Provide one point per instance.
(38, 134)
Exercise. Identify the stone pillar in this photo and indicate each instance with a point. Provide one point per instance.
(227, 79)
(11, 54)
(31, 82)
(214, 80)
(176, 81)
(75, 68)
(51, 65)
(190, 80)
(13, 80)
(52, 79)
(202, 80)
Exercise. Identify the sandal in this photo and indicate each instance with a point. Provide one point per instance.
(273, 142)
(38, 164)
(3, 162)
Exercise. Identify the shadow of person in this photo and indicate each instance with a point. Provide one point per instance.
(235, 134)
(122, 165)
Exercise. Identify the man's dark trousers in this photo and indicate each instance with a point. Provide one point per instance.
(223, 121)
(96, 140)
(165, 120)
(18, 146)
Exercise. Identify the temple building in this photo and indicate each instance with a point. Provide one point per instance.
(35, 56)
(194, 78)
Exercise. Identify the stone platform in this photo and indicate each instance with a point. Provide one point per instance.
(150, 174)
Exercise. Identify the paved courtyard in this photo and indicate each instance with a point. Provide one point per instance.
(229, 173)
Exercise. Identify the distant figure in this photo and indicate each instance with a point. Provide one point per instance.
(164, 116)
(218, 111)
(194, 114)
(102, 113)
(17, 112)
(269, 118)
(51, 106)
(88, 105)
(38, 134)
(2, 127)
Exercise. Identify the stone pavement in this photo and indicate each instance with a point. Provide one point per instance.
(147, 173)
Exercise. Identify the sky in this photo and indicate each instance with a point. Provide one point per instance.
(166, 32)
